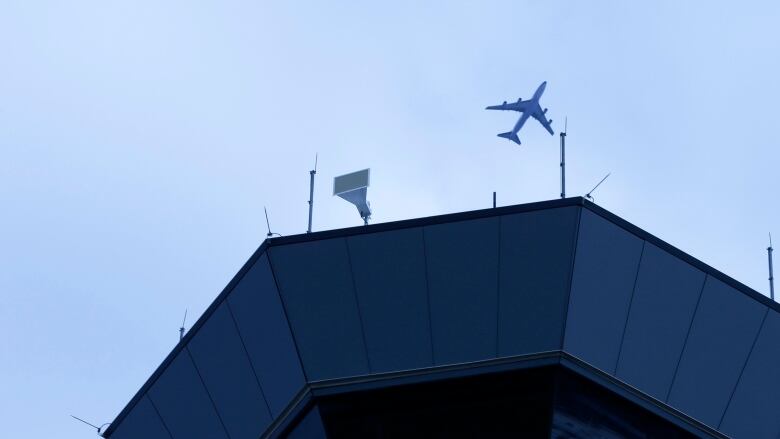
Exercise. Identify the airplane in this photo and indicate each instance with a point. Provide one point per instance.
(528, 108)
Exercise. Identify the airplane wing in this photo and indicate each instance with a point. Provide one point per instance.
(543, 120)
(513, 106)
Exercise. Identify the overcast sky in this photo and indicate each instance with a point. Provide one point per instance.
(141, 139)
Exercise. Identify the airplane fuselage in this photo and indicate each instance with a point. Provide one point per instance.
(535, 107)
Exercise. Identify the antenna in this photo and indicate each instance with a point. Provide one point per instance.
(563, 158)
(181, 329)
(98, 429)
(771, 276)
(353, 187)
(588, 196)
(311, 191)
(494, 199)
(268, 223)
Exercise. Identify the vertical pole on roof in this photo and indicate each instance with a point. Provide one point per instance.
(563, 160)
(771, 276)
(311, 192)
(181, 329)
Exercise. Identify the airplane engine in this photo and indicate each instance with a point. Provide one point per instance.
(545, 111)
(504, 102)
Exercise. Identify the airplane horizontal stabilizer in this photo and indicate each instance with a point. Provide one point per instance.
(511, 136)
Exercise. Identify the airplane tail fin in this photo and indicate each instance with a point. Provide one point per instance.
(511, 136)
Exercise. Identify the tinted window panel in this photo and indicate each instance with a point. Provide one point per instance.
(585, 410)
(515, 404)
(310, 427)
(753, 411)
(605, 268)
(183, 403)
(389, 270)
(141, 422)
(315, 280)
(258, 311)
(667, 290)
(724, 328)
(536, 261)
(224, 366)
(462, 263)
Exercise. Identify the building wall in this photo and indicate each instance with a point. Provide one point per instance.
(484, 286)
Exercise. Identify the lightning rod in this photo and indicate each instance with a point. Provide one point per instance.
(563, 158)
(588, 195)
(311, 192)
(771, 276)
(181, 328)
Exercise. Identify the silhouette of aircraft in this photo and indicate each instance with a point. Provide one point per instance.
(529, 108)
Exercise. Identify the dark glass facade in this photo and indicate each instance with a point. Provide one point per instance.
(555, 282)
(547, 402)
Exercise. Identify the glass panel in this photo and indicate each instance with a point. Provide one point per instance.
(315, 280)
(258, 311)
(585, 410)
(462, 263)
(141, 422)
(389, 270)
(605, 268)
(515, 404)
(310, 427)
(536, 260)
(753, 411)
(667, 290)
(224, 366)
(724, 328)
(183, 403)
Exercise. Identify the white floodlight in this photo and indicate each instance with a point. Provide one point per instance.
(353, 187)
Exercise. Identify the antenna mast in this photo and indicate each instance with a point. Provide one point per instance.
(267, 223)
(311, 191)
(563, 158)
(771, 276)
(588, 196)
(181, 329)
(270, 234)
(99, 429)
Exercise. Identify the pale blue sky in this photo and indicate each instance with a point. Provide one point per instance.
(141, 139)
